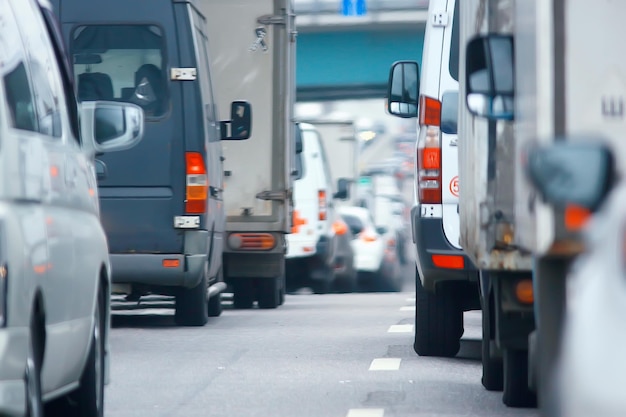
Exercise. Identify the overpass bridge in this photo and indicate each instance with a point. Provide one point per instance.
(348, 57)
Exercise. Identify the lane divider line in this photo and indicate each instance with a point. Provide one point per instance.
(407, 308)
(401, 328)
(410, 300)
(366, 412)
(385, 364)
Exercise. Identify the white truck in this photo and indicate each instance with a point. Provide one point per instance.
(564, 87)
(342, 151)
(253, 55)
(487, 208)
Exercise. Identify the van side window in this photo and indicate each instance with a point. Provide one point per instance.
(122, 63)
(20, 99)
(43, 72)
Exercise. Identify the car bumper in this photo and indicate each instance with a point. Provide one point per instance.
(13, 348)
(429, 239)
(149, 269)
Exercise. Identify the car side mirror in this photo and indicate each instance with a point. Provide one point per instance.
(381, 230)
(490, 78)
(343, 189)
(240, 122)
(572, 173)
(107, 126)
(403, 89)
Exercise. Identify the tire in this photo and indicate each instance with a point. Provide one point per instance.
(88, 399)
(192, 305)
(281, 294)
(438, 322)
(214, 307)
(493, 370)
(32, 376)
(516, 392)
(243, 294)
(268, 292)
(322, 280)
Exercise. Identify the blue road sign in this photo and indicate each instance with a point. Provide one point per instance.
(353, 8)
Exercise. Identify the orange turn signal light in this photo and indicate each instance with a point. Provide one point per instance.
(340, 227)
(524, 291)
(448, 261)
(171, 263)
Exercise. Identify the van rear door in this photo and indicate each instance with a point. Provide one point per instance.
(142, 188)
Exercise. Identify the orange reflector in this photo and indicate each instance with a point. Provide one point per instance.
(576, 217)
(449, 261)
(340, 227)
(171, 263)
(524, 291)
(297, 221)
(252, 241)
(307, 249)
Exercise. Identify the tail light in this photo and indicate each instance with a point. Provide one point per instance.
(197, 184)
(321, 196)
(576, 217)
(252, 241)
(368, 235)
(340, 227)
(429, 152)
(297, 222)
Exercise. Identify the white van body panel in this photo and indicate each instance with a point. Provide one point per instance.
(315, 178)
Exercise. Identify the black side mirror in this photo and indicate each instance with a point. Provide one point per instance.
(572, 173)
(403, 89)
(343, 189)
(381, 230)
(449, 112)
(299, 145)
(240, 122)
(490, 78)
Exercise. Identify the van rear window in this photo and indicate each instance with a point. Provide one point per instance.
(121, 63)
(454, 44)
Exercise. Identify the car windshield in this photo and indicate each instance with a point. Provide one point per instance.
(121, 63)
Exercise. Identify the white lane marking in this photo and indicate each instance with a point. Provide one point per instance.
(385, 364)
(410, 300)
(407, 308)
(401, 328)
(366, 412)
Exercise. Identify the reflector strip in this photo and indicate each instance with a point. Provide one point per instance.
(448, 261)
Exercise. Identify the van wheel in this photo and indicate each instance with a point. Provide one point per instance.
(438, 321)
(516, 391)
(243, 294)
(192, 305)
(268, 292)
(281, 294)
(215, 303)
(88, 399)
(492, 378)
(32, 376)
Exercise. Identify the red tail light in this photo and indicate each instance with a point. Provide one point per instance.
(197, 184)
(429, 152)
(321, 195)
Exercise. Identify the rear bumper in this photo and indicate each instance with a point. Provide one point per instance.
(149, 269)
(429, 239)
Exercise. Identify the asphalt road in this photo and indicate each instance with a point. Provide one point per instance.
(336, 355)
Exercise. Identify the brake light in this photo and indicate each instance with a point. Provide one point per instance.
(430, 111)
(197, 184)
(297, 222)
(340, 227)
(321, 196)
(576, 217)
(368, 236)
(429, 152)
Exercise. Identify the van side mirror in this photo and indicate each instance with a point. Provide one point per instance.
(240, 122)
(490, 78)
(107, 126)
(403, 89)
(572, 173)
(299, 145)
(449, 112)
(343, 189)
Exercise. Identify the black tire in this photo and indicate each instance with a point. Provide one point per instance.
(243, 293)
(192, 305)
(345, 283)
(88, 399)
(32, 375)
(214, 307)
(516, 392)
(281, 293)
(323, 281)
(268, 292)
(438, 321)
(493, 369)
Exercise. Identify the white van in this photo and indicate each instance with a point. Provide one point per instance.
(319, 255)
(448, 279)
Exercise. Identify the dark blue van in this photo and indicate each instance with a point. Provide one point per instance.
(161, 202)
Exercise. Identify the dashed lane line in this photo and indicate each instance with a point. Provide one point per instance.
(385, 364)
(366, 412)
(407, 308)
(401, 328)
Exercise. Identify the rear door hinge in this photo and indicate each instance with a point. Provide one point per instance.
(270, 19)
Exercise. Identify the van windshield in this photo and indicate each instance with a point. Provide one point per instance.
(121, 63)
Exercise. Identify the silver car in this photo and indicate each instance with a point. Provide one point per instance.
(54, 267)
